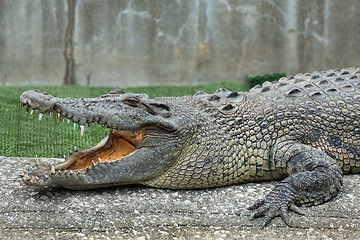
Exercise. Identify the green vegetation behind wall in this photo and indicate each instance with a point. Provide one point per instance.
(260, 79)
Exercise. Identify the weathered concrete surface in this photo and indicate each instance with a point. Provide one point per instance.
(153, 42)
(146, 213)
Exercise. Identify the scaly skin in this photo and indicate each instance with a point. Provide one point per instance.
(304, 130)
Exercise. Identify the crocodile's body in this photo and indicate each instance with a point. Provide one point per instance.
(304, 130)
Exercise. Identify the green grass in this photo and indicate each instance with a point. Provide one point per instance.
(24, 135)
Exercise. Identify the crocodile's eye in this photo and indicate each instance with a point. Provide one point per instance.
(157, 109)
(154, 108)
(132, 101)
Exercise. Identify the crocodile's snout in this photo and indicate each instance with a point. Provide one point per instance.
(140, 129)
(38, 99)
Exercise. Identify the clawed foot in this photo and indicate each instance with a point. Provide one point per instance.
(278, 202)
(272, 209)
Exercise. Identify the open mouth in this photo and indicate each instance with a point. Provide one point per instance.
(116, 146)
(141, 145)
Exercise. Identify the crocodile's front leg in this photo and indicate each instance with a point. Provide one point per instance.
(313, 178)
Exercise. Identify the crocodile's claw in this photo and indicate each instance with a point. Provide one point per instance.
(277, 202)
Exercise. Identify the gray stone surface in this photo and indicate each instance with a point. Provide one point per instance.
(32, 42)
(152, 42)
(140, 212)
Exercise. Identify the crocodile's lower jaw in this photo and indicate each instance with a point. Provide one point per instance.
(113, 148)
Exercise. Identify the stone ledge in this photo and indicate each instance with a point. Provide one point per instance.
(145, 213)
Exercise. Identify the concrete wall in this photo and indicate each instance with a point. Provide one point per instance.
(152, 42)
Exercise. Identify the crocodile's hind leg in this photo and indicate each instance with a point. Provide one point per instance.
(313, 178)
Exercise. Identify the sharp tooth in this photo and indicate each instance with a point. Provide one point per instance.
(58, 115)
(100, 160)
(22, 175)
(75, 149)
(52, 169)
(27, 178)
(63, 119)
(68, 121)
(50, 114)
(40, 116)
(32, 111)
(74, 126)
(37, 178)
(47, 176)
(82, 127)
(93, 163)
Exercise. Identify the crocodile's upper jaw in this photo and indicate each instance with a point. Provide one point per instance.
(125, 156)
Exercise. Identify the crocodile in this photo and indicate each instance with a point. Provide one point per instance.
(302, 130)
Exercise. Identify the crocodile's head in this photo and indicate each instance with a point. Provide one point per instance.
(144, 139)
